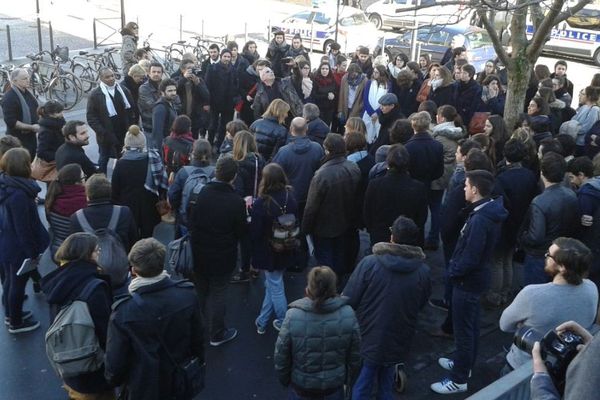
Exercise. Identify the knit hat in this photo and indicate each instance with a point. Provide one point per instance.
(134, 138)
(388, 99)
(225, 50)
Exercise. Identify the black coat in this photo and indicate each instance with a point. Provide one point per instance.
(365, 165)
(386, 121)
(249, 175)
(217, 222)
(426, 158)
(222, 83)
(317, 130)
(50, 137)
(200, 98)
(407, 96)
(70, 153)
(98, 215)
(11, 112)
(444, 95)
(128, 190)
(322, 86)
(134, 355)
(134, 90)
(468, 99)
(62, 286)
(389, 197)
(274, 54)
(387, 289)
(104, 126)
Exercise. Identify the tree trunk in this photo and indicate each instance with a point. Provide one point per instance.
(519, 72)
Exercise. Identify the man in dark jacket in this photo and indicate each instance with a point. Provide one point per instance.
(552, 214)
(217, 223)
(392, 195)
(19, 110)
(222, 82)
(426, 153)
(316, 129)
(109, 114)
(469, 274)
(163, 114)
(330, 210)
(278, 48)
(363, 60)
(158, 307)
(270, 88)
(71, 152)
(149, 94)
(213, 58)
(194, 96)
(468, 94)
(387, 289)
(389, 112)
(99, 210)
(300, 158)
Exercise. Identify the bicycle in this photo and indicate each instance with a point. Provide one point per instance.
(204, 42)
(88, 72)
(5, 71)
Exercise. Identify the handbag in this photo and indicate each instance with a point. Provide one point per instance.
(180, 258)
(42, 170)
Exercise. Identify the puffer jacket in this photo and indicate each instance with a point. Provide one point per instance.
(270, 136)
(448, 135)
(317, 349)
(387, 290)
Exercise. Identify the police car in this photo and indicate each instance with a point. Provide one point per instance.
(577, 36)
(318, 25)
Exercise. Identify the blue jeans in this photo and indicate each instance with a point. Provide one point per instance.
(533, 270)
(338, 395)
(274, 302)
(465, 321)
(369, 373)
(435, 206)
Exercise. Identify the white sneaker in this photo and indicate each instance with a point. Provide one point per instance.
(448, 364)
(446, 386)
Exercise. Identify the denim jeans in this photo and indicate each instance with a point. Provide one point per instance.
(212, 293)
(369, 374)
(533, 270)
(13, 292)
(104, 153)
(338, 395)
(465, 320)
(435, 206)
(274, 302)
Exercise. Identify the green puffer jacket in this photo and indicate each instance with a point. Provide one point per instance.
(317, 349)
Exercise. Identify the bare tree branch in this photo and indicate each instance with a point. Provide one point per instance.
(496, 41)
(541, 32)
(571, 11)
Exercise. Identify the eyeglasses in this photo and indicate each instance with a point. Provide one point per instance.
(548, 255)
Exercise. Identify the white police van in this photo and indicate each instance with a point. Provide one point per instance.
(577, 36)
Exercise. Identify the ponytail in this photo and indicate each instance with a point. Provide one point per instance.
(322, 285)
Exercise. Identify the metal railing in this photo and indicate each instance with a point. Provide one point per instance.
(513, 386)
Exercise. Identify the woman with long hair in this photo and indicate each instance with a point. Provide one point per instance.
(493, 95)
(275, 198)
(350, 102)
(324, 92)
(65, 196)
(139, 181)
(321, 320)
(301, 80)
(177, 147)
(23, 235)
(375, 88)
(424, 63)
(249, 52)
(442, 87)
(406, 87)
(495, 128)
(133, 80)
(397, 64)
(488, 69)
(79, 277)
(270, 131)
(50, 137)
(130, 33)
(355, 124)
(556, 107)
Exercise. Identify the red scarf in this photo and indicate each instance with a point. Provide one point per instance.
(70, 200)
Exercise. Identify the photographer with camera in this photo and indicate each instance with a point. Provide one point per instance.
(582, 375)
(568, 296)
(194, 95)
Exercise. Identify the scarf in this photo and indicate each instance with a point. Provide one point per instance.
(140, 281)
(356, 81)
(156, 176)
(70, 200)
(357, 156)
(323, 81)
(109, 101)
(25, 112)
(436, 83)
(307, 85)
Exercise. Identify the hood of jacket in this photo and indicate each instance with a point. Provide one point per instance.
(251, 71)
(53, 124)
(559, 104)
(492, 209)
(329, 306)
(64, 283)
(300, 144)
(398, 257)
(591, 187)
(11, 184)
(449, 130)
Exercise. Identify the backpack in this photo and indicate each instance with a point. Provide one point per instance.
(177, 154)
(194, 183)
(113, 257)
(72, 346)
(180, 259)
(285, 233)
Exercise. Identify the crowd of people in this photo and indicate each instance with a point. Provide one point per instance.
(261, 161)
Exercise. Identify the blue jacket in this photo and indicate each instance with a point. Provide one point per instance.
(300, 158)
(426, 158)
(270, 136)
(317, 130)
(469, 266)
(22, 234)
(387, 289)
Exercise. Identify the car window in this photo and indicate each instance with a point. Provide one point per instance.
(402, 1)
(423, 35)
(355, 19)
(438, 37)
(478, 39)
(301, 16)
(585, 19)
(321, 18)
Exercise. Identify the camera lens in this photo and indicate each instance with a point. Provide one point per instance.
(525, 337)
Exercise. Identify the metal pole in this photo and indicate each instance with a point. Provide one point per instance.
(245, 32)
(413, 48)
(269, 32)
(122, 13)
(10, 57)
(312, 36)
(51, 35)
(180, 27)
(39, 24)
(95, 41)
(337, 20)
(202, 35)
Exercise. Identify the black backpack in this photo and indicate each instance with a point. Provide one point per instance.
(177, 154)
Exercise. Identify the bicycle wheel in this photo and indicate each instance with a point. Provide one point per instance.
(201, 53)
(86, 76)
(38, 83)
(65, 90)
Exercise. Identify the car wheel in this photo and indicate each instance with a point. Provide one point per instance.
(326, 46)
(376, 20)
(597, 57)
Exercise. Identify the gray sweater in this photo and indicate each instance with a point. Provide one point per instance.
(544, 307)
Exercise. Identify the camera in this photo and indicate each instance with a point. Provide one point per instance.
(196, 71)
(557, 350)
